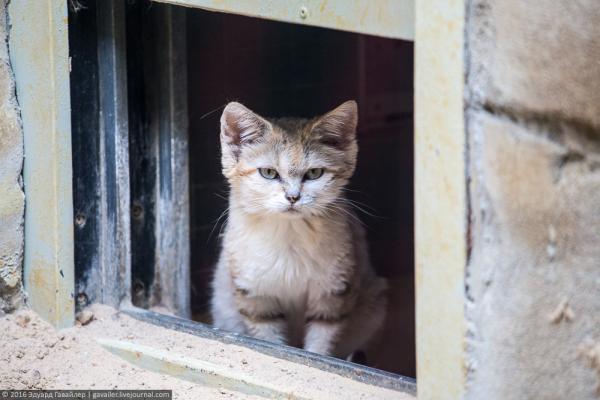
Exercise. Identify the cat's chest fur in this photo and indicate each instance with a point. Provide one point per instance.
(289, 259)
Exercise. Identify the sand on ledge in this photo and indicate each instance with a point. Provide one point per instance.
(33, 355)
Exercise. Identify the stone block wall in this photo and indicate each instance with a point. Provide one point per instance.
(12, 200)
(533, 128)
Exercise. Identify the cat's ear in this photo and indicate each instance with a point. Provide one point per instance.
(337, 128)
(240, 126)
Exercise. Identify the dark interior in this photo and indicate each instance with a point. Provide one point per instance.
(280, 69)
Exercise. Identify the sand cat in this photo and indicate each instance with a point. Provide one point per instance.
(294, 266)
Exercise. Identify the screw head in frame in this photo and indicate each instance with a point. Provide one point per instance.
(82, 299)
(303, 12)
(80, 220)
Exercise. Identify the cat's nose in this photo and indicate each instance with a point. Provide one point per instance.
(292, 198)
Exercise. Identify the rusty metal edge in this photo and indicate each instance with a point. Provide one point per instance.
(343, 368)
(387, 18)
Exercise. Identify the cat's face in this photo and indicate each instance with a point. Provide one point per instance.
(288, 167)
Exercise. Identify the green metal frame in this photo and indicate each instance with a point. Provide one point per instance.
(389, 18)
(441, 209)
(39, 54)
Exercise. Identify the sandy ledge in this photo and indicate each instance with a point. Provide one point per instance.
(33, 355)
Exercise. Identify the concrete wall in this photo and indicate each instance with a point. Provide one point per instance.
(533, 127)
(11, 192)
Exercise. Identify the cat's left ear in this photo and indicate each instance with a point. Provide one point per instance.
(337, 128)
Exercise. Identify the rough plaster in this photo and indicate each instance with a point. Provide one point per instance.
(540, 56)
(11, 192)
(533, 276)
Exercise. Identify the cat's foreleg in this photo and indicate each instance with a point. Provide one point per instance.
(263, 317)
(323, 333)
(327, 317)
(270, 328)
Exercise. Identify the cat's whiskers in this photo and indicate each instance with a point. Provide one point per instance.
(212, 111)
(223, 214)
(223, 225)
(222, 196)
(358, 206)
(340, 207)
(365, 205)
(352, 190)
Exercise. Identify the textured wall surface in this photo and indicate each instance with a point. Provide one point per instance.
(533, 125)
(11, 193)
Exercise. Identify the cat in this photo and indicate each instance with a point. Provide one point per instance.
(294, 266)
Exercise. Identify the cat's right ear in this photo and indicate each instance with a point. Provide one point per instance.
(337, 128)
(240, 126)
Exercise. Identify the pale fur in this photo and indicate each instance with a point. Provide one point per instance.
(297, 277)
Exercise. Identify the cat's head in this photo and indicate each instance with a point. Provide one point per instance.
(288, 166)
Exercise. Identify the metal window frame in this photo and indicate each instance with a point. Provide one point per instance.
(164, 140)
(101, 158)
(39, 55)
(38, 45)
(388, 18)
(131, 229)
(441, 203)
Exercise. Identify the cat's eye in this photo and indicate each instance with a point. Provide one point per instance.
(268, 173)
(314, 173)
